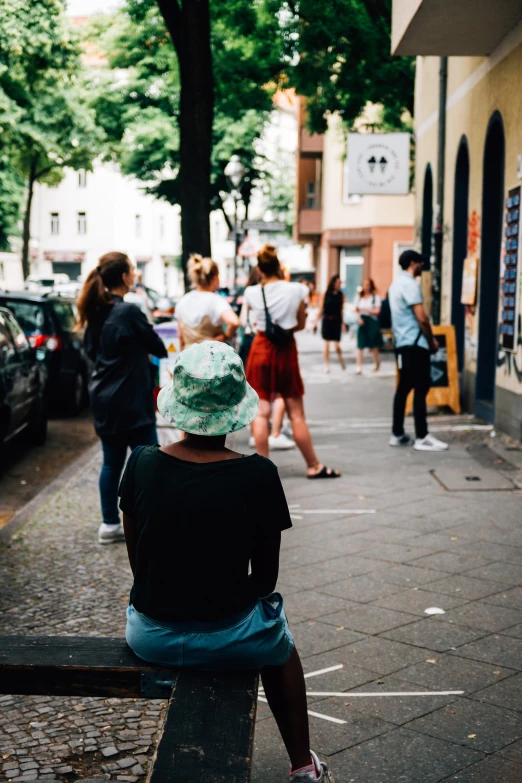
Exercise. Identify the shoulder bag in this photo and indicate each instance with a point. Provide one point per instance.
(273, 332)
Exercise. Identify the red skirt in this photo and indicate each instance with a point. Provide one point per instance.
(274, 371)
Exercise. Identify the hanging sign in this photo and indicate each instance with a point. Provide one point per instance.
(379, 163)
(444, 372)
(511, 271)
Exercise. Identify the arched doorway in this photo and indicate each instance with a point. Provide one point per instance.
(460, 245)
(427, 216)
(489, 279)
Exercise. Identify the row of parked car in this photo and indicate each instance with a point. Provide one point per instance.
(43, 366)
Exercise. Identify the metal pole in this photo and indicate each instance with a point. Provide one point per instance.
(236, 245)
(438, 231)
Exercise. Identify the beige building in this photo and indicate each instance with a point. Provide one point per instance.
(354, 236)
(482, 41)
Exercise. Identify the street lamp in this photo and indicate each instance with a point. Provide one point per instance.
(235, 172)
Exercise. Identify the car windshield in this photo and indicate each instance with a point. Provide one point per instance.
(30, 315)
(65, 312)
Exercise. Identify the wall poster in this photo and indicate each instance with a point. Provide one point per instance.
(510, 271)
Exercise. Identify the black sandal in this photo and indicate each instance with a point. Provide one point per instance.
(326, 473)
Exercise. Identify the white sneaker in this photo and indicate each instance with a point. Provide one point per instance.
(280, 442)
(358, 370)
(429, 443)
(317, 771)
(400, 440)
(110, 534)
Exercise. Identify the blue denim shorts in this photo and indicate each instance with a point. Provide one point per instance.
(252, 639)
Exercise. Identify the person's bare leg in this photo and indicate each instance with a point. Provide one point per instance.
(286, 695)
(358, 360)
(302, 437)
(260, 428)
(326, 356)
(377, 359)
(340, 355)
(278, 414)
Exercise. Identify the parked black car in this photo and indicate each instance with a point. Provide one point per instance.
(23, 381)
(48, 320)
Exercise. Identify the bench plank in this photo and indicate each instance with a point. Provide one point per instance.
(76, 666)
(208, 733)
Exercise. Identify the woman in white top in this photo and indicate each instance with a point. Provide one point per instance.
(202, 313)
(367, 308)
(273, 366)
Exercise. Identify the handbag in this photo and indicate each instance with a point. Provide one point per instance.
(273, 332)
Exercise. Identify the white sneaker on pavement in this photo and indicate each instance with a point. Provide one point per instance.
(110, 534)
(400, 440)
(251, 442)
(280, 442)
(317, 771)
(430, 443)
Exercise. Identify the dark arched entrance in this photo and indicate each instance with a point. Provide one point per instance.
(460, 245)
(427, 216)
(489, 279)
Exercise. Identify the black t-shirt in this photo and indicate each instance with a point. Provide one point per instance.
(197, 528)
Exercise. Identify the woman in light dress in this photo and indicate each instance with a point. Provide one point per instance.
(367, 308)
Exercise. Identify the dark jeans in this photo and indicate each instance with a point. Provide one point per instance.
(414, 373)
(114, 455)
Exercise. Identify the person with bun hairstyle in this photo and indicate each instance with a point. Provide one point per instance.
(118, 340)
(273, 365)
(202, 312)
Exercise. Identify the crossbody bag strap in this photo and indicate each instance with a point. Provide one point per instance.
(267, 314)
(418, 338)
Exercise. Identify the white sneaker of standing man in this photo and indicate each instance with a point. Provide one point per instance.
(280, 442)
(430, 443)
(110, 534)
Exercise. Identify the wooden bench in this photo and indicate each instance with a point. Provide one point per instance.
(208, 732)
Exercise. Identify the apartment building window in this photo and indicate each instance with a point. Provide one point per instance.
(82, 178)
(311, 195)
(82, 223)
(137, 226)
(162, 226)
(55, 223)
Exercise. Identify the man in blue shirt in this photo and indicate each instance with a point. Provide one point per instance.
(414, 341)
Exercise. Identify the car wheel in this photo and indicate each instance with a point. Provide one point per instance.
(77, 397)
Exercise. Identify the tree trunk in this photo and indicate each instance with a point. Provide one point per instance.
(27, 221)
(189, 26)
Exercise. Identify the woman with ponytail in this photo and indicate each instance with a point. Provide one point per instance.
(118, 340)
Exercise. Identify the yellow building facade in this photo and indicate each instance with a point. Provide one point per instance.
(482, 170)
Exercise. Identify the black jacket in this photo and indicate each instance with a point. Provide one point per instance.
(119, 342)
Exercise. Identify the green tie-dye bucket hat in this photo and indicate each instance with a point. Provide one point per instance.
(208, 394)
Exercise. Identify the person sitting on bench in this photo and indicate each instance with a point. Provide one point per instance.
(196, 516)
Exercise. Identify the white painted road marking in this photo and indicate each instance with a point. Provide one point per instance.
(324, 671)
(379, 693)
(351, 695)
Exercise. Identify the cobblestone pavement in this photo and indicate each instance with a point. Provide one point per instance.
(368, 555)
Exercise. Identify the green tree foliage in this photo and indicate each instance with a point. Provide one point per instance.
(139, 101)
(45, 120)
(339, 59)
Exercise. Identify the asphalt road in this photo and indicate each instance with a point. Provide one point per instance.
(29, 469)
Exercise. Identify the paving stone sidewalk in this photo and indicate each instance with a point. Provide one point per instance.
(367, 556)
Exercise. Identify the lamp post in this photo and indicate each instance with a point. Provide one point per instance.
(235, 171)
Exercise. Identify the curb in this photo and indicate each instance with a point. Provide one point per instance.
(27, 512)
